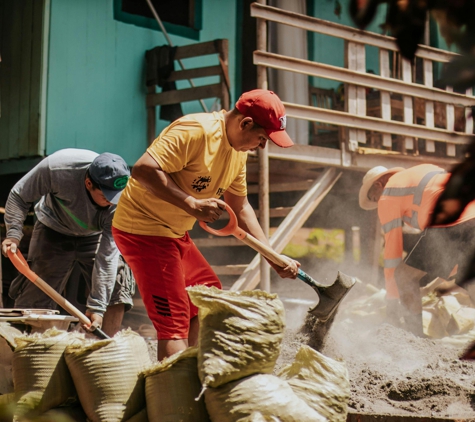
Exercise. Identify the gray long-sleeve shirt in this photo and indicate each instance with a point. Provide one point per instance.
(66, 207)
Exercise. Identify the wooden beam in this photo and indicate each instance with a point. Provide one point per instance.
(375, 124)
(211, 242)
(195, 50)
(291, 64)
(284, 187)
(183, 95)
(229, 269)
(295, 220)
(342, 31)
(199, 72)
(360, 161)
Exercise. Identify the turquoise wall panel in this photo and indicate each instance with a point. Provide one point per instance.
(330, 50)
(96, 74)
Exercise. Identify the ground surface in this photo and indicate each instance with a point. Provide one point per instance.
(392, 371)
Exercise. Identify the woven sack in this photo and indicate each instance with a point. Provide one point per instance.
(240, 333)
(106, 374)
(40, 376)
(171, 388)
(319, 381)
(257, 398)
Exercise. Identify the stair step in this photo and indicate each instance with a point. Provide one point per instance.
(229, 269)
(284, 187)
(217, 242)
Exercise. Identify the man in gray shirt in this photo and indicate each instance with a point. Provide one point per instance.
(77, 191)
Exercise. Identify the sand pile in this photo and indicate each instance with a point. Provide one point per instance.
(394, 372)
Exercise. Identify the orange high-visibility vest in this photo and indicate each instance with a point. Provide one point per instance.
(409, 197)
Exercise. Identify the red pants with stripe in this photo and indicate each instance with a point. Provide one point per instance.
(163, 267)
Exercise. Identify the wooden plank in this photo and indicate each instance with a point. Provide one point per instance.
(351, 94)
(36, 78)
(217, 242)
(228, 269)
(468, 115)
(183, 95)
(362, 417)
(382, 83)
(199, 72)
(26, 72)
(362, 161)
(273, 213)
(385, 97)
(15, 78)
(194, 50)
(295, 220)
(360, 91)
(5, 72)
(429, 112)
(284, 187)
(450, 124)
(408, 107)
(371, 123)
(342, 31)
(151, 118)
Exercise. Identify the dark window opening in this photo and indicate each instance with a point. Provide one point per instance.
(177, 12)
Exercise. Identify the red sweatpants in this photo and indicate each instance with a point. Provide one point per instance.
(163, 267)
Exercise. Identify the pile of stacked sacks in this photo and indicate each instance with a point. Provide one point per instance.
(227, 377)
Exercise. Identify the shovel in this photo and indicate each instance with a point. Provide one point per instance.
(22, 266)
(329, 296)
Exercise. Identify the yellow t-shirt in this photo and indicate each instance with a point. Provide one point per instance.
(195, 152)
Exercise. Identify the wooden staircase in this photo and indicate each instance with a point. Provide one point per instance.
(287, 220)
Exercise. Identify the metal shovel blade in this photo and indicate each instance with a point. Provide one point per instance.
(331, 296)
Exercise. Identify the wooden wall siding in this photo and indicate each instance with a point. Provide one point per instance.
(20, 75)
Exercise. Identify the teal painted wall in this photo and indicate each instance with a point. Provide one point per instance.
(96, 74)
(330, 50)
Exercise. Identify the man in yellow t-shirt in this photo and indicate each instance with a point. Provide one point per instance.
(180, 179)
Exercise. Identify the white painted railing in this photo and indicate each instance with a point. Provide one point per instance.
(412, 100)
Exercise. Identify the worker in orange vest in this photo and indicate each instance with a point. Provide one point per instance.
(407, 196)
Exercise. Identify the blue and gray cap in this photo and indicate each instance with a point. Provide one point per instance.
(111, 173)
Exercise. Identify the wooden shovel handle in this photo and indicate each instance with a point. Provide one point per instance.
(22, 266)
(232, 228)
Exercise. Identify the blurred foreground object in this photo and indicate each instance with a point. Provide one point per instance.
(406, 19)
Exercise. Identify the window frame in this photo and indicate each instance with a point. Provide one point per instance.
(151, 23)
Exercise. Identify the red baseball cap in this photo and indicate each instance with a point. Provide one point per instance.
(266, 109)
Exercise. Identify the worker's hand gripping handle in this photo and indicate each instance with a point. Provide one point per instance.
(232, 229)
(22, 266)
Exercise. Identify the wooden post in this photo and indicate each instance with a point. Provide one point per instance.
(356, 95)
(429, 81)
(385, 96)
(264, 217)
(151, 118)
(468, 114)
(450, 124)
(407, 103)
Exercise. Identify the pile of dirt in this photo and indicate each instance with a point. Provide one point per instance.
(393, 372)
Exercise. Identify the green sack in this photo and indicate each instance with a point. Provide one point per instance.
(319, 381)
(40, 376)
(258, 398)
(106, 374)
(171, 388)
(240, 333)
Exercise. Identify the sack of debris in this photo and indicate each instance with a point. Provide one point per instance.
(321, 382)
(171, 387)
(106, 374)
(40, 375)
(7, 346)
(260, 397)
(240, 333)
